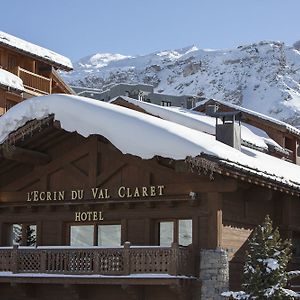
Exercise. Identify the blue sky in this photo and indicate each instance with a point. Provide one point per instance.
(78, 28)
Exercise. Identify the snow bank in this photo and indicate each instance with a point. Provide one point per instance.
(143, 135)
(11, 80)
(236, 295)
(199, 121)
(33, 49)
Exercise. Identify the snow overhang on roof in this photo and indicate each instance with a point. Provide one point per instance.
(257, 139)
(11, 81)
(147, 136)
(275, 122)
(36, 51)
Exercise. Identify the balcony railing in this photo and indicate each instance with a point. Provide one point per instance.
(125, 260)
(34, 82)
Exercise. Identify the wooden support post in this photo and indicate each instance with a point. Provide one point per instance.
(286, 216)
(93, 160)
(43, 261)
(15, 259)
(127, 258)
(96, 262)
(174, 259)
(215, 222)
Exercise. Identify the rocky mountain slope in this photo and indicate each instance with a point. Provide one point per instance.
(264, 76)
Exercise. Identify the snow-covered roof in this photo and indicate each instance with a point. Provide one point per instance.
(35, 50)
(145, 136)
(287, 126)
(200, 121)
(10, 80)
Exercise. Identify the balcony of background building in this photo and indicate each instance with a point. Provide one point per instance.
(35, 83)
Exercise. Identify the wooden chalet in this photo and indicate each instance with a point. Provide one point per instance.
(36, 67)
(284, 134)
(120, 204)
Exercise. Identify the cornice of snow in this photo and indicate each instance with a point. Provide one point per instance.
(35, 50)
(145, 136)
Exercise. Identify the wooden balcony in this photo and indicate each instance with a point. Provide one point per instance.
(36, 83)
(125, 260)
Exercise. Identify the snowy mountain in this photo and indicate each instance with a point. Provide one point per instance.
(264, 76)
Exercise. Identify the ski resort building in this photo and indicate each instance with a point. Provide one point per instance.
(28, 70)
(285, 135)
(131, 200)
(142, 92)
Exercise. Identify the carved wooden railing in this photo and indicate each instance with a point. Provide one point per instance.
(125, 260)
(34, 82)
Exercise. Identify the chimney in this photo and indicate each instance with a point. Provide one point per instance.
(229, 130)
(211, 109)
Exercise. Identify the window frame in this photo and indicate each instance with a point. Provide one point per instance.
(95, 232)
(175, 229)
(24, 228)
(166, 103)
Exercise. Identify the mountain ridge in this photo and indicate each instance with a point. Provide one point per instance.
(263, 76)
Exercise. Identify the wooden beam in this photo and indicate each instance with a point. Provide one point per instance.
(104, 177)
(227, 185)
(286, 216)
(93, 160)
(24, 155)
(77, 174)
(215, 220)
(60, 162)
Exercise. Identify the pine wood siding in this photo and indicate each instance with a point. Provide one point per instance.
(39, 77)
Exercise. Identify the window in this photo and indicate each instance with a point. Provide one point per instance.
(12, 63)
(22, 234)
(290, 144)
(185, 232)
(190, 103)
(109, 235)
(165, 103)
(82, 235)
(106, 235)
(166, 233)
(178, 231)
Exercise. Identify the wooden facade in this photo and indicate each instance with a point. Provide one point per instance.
(53, 180)
(39, 76)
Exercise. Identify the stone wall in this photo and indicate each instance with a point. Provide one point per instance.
(214, 274)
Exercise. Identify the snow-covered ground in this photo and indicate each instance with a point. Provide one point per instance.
(144, 135)
(263, 76)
